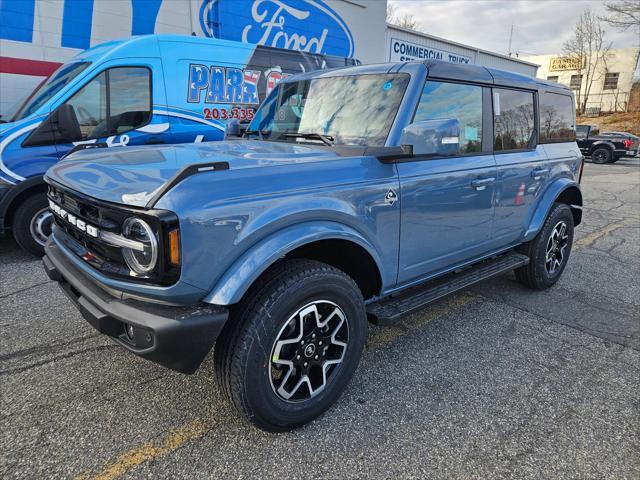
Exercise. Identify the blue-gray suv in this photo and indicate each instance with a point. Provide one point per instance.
(358, 194)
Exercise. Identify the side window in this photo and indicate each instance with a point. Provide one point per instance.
(129, 99)
(513, 119)
(90, 106)
(442, 101)
(557, 123)
(124, 106)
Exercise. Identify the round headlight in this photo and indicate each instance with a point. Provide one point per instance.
(140, 261)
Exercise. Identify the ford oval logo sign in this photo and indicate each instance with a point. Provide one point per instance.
(305, 25)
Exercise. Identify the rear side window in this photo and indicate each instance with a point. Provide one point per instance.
(445, 101)
(513, 119)
(557, 123)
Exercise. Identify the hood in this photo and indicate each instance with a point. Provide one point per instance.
(133, 175)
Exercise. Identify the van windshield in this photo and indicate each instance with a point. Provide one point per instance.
(349, 110)
(48, 88)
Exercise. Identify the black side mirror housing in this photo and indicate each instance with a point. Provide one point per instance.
(61, 126)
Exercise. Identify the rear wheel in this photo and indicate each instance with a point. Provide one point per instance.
(293, 347)
(601, 155)
(32, 222)
(549, 252)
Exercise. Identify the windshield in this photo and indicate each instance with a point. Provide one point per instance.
(48, 88)
(350, 110)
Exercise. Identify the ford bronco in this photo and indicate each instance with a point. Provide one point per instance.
(356, 194)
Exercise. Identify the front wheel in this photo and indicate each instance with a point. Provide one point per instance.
(293, 347)
(549, 252)
(32, 222)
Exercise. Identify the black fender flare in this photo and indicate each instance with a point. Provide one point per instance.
(602, 143)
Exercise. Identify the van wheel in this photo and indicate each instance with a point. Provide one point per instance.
(291, 349)
(601, 155)
(32, 222)
(549, 252)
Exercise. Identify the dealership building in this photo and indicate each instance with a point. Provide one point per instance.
(36, 36)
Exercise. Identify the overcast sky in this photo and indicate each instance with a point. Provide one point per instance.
(539, 26)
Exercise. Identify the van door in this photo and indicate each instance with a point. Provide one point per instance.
(447, 203)
(116, 106)
(522, 164)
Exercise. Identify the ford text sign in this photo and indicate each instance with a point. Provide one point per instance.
(305, 25)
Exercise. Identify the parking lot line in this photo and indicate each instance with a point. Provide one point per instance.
(151, 451)
(596, 235)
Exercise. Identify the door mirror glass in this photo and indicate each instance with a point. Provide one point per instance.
(232, 128)
(61, 126)
(438, 138)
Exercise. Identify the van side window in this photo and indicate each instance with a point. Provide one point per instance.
(129, 99)
(124, 106)
(557, 123)
(513, 119)
(443, 101)
(90, 105)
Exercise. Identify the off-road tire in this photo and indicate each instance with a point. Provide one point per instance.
(536, 275)
(243, 350)
(21, 224)
(601, 155)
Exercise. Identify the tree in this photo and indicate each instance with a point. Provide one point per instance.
(622, 14)
(404, 20)
(588, 51)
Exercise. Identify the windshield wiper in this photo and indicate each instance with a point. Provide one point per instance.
(327, 139)
(260, 133)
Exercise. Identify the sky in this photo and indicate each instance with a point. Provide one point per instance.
(539, 26)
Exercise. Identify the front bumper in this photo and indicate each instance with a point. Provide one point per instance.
(176, 337)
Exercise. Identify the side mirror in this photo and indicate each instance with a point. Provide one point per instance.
(61, 126)
(432, 137)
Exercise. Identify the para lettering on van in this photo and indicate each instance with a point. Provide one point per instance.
(229, 85)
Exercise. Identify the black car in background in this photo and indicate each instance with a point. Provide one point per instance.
(605, 147)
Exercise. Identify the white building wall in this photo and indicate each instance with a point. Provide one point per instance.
(623, 61)
(460, 52)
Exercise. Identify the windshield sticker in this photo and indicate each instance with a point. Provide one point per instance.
(387, 86)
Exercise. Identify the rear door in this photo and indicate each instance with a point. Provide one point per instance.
(522, 165)
(447, 203)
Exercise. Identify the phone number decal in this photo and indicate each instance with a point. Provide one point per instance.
(228, 113)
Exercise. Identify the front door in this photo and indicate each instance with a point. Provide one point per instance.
(447, 203)
(115, 107)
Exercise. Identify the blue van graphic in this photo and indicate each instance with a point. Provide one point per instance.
(145, 90)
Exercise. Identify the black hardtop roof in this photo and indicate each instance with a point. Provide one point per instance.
(491, 76)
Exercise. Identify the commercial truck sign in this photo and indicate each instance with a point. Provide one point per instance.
(403, 51)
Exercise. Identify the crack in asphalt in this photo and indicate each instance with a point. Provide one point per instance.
(25, 368)
(24, 289)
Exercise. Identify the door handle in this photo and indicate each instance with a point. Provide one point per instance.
(481, 183)
(538, 173)
(154, 141)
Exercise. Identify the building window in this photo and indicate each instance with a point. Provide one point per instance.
(576, 82)
(611, 81)
(553, 78)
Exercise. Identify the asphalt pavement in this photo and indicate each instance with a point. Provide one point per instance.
(495, 382)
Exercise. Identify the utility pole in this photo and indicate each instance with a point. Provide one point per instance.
(510, 39)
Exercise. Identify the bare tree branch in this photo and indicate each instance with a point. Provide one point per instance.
(400, 20)
(587, 49)
(622, 14)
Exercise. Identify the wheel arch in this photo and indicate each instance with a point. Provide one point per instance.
(562, 191)
(600, 144)
(17, 194)
(335, 244)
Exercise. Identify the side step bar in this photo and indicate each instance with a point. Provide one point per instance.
(390, 310)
